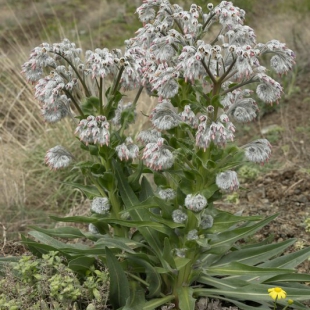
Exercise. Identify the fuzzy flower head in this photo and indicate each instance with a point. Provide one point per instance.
(163, 116)
(100, 205)
(195, 203)
(167, 194)
(127, 150)
(157, 156)
(258, 151)
(276, 293)
(93, 229)
(149, 136)
(58, 157)
(227, 181)
(189, 117)
(178, 216)
(94, 130)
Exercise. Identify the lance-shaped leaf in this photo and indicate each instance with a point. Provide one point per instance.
(136, 299)
(157, 302)
(130, 199)
(119, 286)
(222, 242)
(236, 268)
(152, 276)
(254, 255)
(186, 300)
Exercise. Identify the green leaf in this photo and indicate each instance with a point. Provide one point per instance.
(295, 277)
(75, 219)
(222, 242)
(130, 199)
(136, 298)
(146, 190)
(90, 191)
(224, 220)
(119, 286)
(61, 232)
(47, 240)
(160, 179)
(157, 302)
(289, 260)
(81, 264)
(186, 300)
(37, 248)
(167, 253)
(123, 244)
(152, 276)
(236, 268)
(253, 256)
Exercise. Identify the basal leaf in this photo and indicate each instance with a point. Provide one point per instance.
(81, 264)
(253, 256)
(222, 242)
(186, 300)
(235, 268)
(62, 232)
(152, 276)
(157, 302)
(119, 286)
(136, 298)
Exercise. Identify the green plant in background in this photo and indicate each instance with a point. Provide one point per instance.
(47, 283)
(153, 221)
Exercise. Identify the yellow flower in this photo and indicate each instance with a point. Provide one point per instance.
(290, 301)
(276, 293)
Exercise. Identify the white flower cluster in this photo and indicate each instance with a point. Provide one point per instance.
(100, 205)
(94, 130)
(58, 157)
(127, 150)
(157, 156)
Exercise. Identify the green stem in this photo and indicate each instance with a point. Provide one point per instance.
(100, 97)
(74, 102)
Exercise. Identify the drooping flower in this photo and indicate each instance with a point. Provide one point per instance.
(258, 151)
(149, 136)
(195, 203)
(270, 90)
(58, 157)
(163, 116)
(100, 205)
(157, 156)
(276, 293)
(189, 117)
(127, 150)
(244, 111)
(94, 130)
(227, 181)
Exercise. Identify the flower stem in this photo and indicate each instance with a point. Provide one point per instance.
(100, 96)
(87, 93)
(74, 102)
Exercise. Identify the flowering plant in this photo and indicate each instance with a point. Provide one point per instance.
(153, 221)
